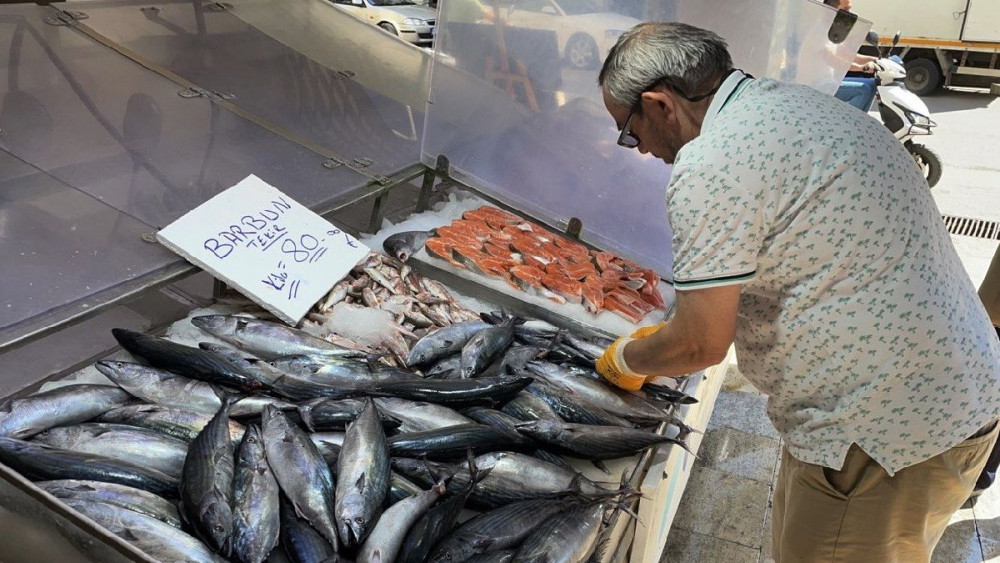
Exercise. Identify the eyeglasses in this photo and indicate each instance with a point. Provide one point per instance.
(627, 138)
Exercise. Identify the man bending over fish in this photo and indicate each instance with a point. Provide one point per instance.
(804, 233)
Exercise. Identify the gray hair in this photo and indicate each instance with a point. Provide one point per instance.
(695, 58)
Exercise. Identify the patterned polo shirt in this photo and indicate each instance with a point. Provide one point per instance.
(856, 316)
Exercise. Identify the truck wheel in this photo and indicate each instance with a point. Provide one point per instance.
(922, 76)
(928, 161)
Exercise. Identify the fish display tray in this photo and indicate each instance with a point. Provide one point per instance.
(660, 474)
(569, 315)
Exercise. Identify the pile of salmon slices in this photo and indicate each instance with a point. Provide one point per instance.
(495, 243)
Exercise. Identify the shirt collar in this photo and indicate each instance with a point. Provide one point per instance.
(725, 91)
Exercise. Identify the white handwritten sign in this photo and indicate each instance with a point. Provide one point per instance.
(267, 245)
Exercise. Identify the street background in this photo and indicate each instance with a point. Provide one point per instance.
(968, 140)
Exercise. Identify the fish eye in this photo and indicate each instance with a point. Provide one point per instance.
(219, 528)
(360, 520)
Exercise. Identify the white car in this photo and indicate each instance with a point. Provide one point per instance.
(585, 30)
(402, 18)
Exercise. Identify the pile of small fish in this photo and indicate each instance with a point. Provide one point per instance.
(495, 243)
(220, 453)
(382, 306)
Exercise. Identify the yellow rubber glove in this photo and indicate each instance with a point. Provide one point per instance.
(647, 330)
(611, 365)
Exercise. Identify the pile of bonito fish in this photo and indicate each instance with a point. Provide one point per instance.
(340, 449)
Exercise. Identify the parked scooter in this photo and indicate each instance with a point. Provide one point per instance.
(902, 111)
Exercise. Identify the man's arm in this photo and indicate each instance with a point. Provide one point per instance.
(861, 63)
(698, 336)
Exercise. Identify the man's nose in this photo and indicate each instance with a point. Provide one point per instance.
(642, 149)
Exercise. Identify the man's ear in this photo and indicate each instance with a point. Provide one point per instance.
(659, 105)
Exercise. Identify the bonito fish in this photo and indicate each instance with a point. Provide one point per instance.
(300, 471)
(139, 446)
(362, 477)
(161, 541)
(130, 498)
(207, 483)
(268, 340)
(23, 418)
(256, 511)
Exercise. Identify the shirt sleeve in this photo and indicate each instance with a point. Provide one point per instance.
(718, 228)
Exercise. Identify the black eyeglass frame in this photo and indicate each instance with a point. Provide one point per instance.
(627, 139)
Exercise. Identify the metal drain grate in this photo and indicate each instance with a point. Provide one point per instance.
(977, 228)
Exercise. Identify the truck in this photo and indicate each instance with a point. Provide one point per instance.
(943, 42)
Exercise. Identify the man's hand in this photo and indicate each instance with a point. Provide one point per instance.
(611, 365)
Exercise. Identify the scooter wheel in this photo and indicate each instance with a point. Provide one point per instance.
(928, 161)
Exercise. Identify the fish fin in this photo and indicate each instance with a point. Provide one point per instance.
(556, 340)
(307, 418)
(492, 317)
(576, 482)
(680, 442)
(225, 396)
(128, 535)
(360, 484)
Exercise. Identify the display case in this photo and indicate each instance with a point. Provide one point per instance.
(118, 117)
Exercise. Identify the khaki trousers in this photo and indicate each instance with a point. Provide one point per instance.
(859, 514)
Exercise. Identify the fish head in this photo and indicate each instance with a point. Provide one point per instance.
(539, 428)
(296, 365)
(217, 521)
(114, 369)
(272, 417)
(251, 450)
(125, 336)
(464, 549)
(408, 466)
(215, 324)
(403, 245)
(353, 521)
